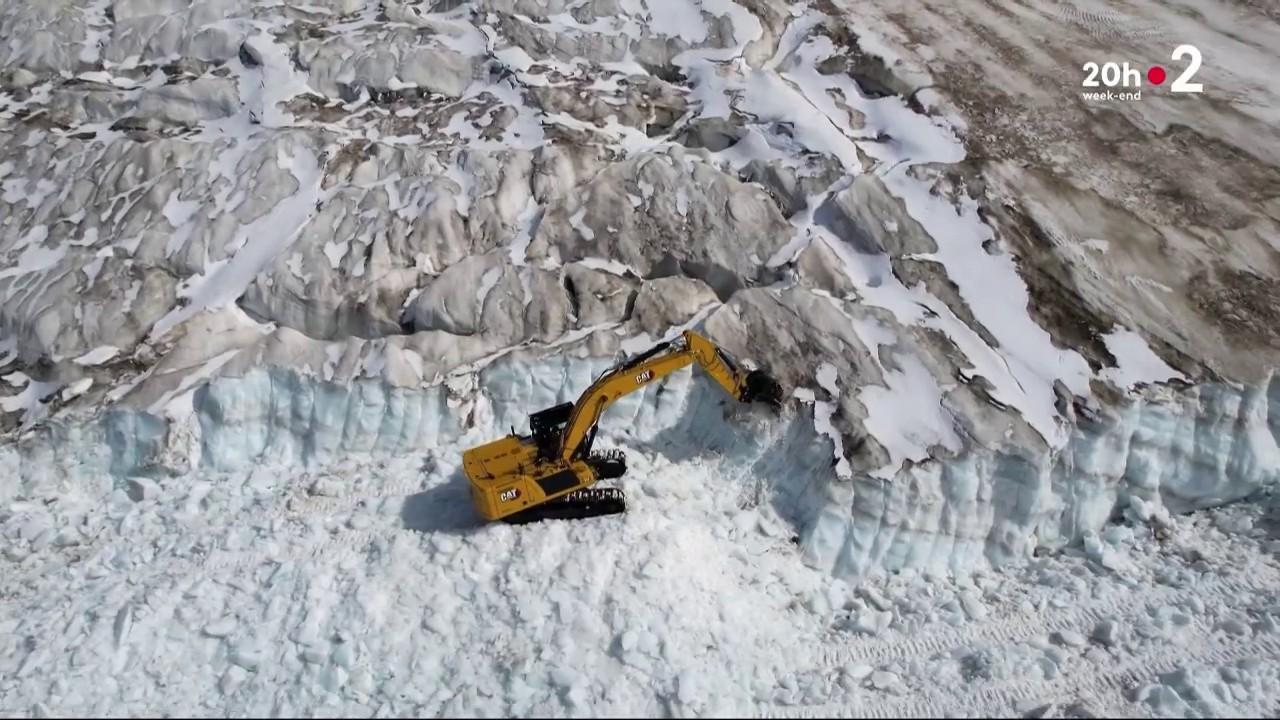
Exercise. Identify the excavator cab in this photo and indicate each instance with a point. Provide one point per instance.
(549, 473)
(546, 427)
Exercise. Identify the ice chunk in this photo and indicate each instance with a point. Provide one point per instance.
(1069, 638)
(887, 681)
(221, 627)
(1106, 632)
(232, 678)
(872, 622)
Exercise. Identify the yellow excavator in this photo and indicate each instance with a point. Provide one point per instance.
(548, 474)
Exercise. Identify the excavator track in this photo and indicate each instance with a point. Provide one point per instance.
(577, 505)
(609, 464)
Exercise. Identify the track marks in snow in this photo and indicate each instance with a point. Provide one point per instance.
(1109, 25)
(1013, 627)
(1104, 684)
(1104, 688)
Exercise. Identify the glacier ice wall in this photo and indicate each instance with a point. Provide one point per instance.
(1171, 450)
(1177, 450)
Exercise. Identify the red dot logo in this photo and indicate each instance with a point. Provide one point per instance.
(1155, 75)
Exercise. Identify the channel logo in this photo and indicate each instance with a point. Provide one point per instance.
(1123, 80)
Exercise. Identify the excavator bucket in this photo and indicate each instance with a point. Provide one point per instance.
(761, 387)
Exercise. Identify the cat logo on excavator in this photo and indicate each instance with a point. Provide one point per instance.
(551, 470)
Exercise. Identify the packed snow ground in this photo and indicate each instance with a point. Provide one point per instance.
(368, 587)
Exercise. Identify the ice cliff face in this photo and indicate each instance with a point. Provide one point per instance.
(234, 234)
(977, 508)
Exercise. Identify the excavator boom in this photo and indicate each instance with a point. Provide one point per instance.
(546, 474)
(649, 368)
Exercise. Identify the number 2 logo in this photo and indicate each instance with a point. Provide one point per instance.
(1182, 84)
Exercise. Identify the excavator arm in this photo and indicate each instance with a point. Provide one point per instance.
(652, 366)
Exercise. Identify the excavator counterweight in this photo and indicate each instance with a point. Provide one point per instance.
(548, 473)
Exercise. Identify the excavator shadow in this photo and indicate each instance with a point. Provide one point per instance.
(445, 508)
